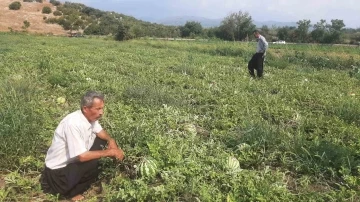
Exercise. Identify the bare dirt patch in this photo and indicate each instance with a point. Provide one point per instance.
(30, 11)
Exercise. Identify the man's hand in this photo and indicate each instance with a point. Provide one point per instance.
(117, 153)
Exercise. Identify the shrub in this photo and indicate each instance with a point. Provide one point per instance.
(52, 20)
(15, 5)
(28, 0)
(39, 1)
(46, 10)
(57, 13)
(55, 3)
(26, 24)
(355, 72)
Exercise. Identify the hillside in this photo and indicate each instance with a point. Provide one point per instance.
(30, 11)
(77, 17)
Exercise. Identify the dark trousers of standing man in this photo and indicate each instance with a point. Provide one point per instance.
(75, 178)
(256, 63)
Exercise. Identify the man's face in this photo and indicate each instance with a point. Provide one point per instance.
(94, 112)
(256, 35)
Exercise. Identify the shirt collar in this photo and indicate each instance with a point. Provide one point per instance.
(84, 119)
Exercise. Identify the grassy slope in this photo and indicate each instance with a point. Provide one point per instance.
(301, 122)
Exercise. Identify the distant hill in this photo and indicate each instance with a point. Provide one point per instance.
(181, 20)
(275, 23)
(30, 11)
(206, 22)
(77, 17)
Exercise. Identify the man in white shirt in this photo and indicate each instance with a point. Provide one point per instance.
(78, 142)
(257, 60)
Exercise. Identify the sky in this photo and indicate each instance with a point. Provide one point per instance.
(260, 10)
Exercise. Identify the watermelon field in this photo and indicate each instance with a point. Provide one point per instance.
(192, 123)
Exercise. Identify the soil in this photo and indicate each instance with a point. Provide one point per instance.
(30, 11)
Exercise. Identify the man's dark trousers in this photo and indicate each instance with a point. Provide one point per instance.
(73, 179)
(256, 63)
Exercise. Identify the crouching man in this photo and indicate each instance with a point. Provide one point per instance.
(78, 142)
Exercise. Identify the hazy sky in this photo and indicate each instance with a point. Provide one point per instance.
(260, 10)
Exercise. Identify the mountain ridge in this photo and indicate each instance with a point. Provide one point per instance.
(207, 22)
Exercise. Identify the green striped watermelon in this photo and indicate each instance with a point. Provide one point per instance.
(190, 128)
(232, 164)
(147, 167)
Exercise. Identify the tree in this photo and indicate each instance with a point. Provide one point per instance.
(137, 31)
(326, 33)
(227, 30)
(337, 25)
(236, 26)
(16, 5)
(211, 32)
(121, 33)
(303, 30)
(320, 31)
(191, 28)
(265, 31)
(286, 33)
(92, 29)
(335, 31)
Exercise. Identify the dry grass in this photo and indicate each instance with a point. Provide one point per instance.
(30, 11)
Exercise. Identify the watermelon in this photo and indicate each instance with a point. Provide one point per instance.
(60, 100)
(190, 128)
(232, 164)
(243, 146)
(147, 167)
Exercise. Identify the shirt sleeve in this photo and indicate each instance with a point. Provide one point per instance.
(74, 141)
(265, 44)
(97, 127)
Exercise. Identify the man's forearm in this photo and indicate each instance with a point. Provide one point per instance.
(91, 155)
(105, 136)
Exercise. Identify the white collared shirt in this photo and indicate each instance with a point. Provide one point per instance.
(73, 136)
(262, 45)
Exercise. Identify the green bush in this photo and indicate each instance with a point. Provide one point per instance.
(355, 72)
(39, 1)
(15, 5)
(55, 3)
(57, 13)
(46, 10)
(52, 20)
(26, 24)
(28, 0)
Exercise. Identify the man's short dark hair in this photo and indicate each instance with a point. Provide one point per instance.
(256, 31)
(88, 99)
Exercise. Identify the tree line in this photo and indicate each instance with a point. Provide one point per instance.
(234, 27)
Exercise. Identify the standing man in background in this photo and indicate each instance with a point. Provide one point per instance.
(257, 60)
